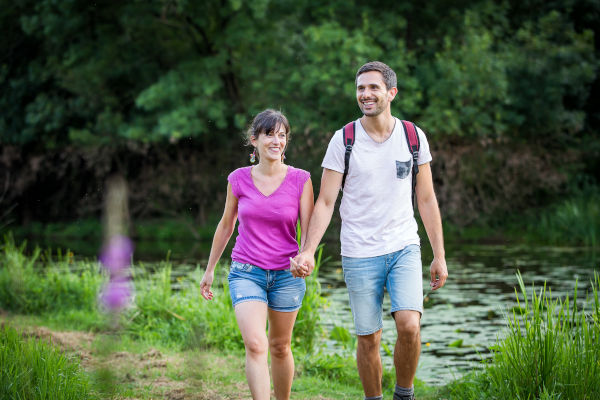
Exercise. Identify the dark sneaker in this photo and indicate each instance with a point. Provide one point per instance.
(410, 397)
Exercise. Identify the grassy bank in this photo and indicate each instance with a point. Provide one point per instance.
(171, 342)
(126, 368)
(54, 291)
(573, 221)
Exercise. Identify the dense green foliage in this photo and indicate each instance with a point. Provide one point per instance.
(33, 369)
(550, 351)
(161, 91)
(90, 73)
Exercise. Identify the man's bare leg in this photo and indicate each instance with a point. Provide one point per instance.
(408, 346)
(368, 360)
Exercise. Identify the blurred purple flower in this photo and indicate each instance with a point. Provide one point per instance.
(116, 254)
(116, 295)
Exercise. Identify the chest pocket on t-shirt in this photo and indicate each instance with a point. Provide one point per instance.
(403, 168)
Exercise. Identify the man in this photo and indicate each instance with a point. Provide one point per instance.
(379, 240)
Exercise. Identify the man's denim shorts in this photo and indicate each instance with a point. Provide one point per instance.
(278, 288)
(401, 273)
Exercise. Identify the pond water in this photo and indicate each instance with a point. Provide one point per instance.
(470, 309)
(472, 305)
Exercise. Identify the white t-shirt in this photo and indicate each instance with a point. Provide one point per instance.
(376, 210)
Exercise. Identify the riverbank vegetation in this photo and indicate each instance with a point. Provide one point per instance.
(570, 221)
(550, 351)
(548, 343)
(160, 92)
(168, 313)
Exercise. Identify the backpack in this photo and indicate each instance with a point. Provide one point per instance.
(412, 138)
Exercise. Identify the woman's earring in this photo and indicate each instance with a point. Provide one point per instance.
(253, 156)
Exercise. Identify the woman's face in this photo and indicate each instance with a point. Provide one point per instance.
(271, 145)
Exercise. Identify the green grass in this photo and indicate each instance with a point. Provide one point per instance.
(38, 284)
(43, 284)
(33, 369)
(168, 311)
(574, 221)
(551, 351)
(53, 290)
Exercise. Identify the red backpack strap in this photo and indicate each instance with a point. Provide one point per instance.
(412, 139)
(348, 135)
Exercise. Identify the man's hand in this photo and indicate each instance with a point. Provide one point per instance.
(439, 273)
(297, 270)
(302, 265)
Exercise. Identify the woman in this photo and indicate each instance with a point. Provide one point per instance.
(269, 199)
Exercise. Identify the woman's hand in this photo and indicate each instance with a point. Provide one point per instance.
(297, 270)
(206, 283)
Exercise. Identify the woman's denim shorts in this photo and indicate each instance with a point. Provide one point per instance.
(401, 273)
(278, 288)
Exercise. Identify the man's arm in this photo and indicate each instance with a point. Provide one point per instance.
(430, 214)
(331, 181)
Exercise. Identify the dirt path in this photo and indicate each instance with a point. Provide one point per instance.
(139, 371)
(146, 375)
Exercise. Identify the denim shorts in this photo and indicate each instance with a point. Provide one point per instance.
(278, 288)
(401, 273)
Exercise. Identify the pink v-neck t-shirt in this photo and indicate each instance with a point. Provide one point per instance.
(267, 224)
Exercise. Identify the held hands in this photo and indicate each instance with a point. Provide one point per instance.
(206, 283)
(439, 273)
(302, 265)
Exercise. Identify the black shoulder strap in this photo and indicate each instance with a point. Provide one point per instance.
(348, 143)
(412, 139)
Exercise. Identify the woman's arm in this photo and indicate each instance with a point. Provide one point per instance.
(222, 235)
(307, 204)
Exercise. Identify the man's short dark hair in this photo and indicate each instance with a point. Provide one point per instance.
(389, 76)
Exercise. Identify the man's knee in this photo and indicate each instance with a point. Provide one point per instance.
(408, 324)
(369, 343)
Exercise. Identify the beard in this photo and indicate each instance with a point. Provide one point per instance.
(373, 112)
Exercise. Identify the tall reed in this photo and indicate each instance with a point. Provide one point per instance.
(551, 350)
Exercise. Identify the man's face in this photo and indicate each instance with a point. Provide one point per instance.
(372, 96)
